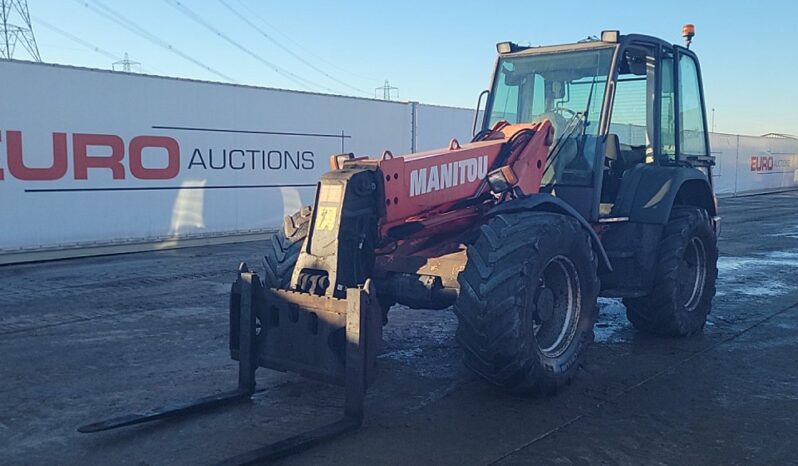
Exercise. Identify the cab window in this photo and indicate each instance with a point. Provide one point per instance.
(691, 112)
(632, 112)
(668, 108)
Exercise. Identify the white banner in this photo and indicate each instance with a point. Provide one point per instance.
(750, 164)
(724, 149)
(91, 157)
(743, 164)
(436, 126)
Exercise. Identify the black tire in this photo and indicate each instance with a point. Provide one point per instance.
(283, 249)
(684, 283)
(501, 297)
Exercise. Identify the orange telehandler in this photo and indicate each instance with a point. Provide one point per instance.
(591, 175)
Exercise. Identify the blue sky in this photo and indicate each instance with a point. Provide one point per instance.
(434, 52)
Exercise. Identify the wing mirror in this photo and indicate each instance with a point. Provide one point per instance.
(476, 112)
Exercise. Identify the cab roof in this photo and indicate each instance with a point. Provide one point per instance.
(587, 45)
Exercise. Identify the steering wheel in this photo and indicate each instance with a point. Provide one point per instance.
(565, 110)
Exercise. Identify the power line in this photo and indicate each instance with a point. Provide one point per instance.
(286, 49)
(307, 50)
(88, 45)
(306, 83)
(184, 10)
(136, 29)
(131, 26)
(76, 39)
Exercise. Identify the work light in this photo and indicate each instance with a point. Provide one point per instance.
(502, 179)
(610, 36)
(504, 47)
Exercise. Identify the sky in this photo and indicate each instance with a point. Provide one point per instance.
(435, 52)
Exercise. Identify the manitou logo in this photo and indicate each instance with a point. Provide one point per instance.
(446, 175)
(113, 157)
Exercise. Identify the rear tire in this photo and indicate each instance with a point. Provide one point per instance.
(527, 301)
(283, 249)
(684, 284)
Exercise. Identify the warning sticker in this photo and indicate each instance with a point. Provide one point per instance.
(331, 193)
(325, 219)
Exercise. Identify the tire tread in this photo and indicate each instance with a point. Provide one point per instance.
(492, 289)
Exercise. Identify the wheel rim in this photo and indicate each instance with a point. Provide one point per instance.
(692, 274)
(557, 305)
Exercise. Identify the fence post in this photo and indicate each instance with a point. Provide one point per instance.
(413, 126)
(736, 164)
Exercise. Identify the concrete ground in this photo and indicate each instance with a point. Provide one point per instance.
(84, 339)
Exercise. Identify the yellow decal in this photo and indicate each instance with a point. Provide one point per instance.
(325, 219)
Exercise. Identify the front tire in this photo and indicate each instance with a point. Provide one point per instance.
(283, 248)
(527, 301)
(684, 284)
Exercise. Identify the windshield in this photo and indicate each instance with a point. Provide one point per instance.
(567, 89)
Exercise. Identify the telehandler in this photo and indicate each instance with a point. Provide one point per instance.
(589, 176)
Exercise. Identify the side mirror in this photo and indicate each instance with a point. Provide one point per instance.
(476, 112)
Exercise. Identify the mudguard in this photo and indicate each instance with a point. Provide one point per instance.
(545, 202)
(648, 192)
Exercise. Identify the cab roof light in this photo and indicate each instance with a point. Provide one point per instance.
(610, 36)
(505, 47)
(688, 32)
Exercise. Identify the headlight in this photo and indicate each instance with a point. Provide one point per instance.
(502, 179)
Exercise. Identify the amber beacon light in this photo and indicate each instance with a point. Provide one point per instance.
(688, 31)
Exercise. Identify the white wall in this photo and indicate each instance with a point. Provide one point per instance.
(749, 164)
(724, 149)
(436, 126)
(40, 100)
(198, 200)
(743, 164)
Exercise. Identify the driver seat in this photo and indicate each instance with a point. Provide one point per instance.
(613, 169)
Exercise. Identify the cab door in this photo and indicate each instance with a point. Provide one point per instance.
(692, 141)
(634, 132)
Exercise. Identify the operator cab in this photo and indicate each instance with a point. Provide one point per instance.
(617, 104)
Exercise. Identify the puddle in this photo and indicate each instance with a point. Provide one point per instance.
(611, 325)
(792, 233)
(756, 276)
(771, 259)
(771, 289)
(784, 255)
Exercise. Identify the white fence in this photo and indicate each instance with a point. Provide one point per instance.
(93, 161)
(748, 164)
(743, 164)
(90, 158)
